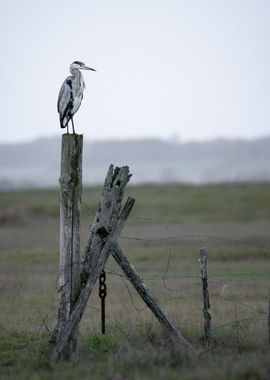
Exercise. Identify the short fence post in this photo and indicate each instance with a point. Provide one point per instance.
(70, 204)
(206, 301)
(269, 320)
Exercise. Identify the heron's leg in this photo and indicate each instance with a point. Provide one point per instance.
(67, 129)
(73, 125)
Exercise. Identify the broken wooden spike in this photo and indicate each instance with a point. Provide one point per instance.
(106, 215)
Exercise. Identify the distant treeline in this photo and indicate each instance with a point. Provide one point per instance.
(36, 164)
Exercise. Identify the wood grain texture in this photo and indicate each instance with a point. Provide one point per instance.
(106, 216)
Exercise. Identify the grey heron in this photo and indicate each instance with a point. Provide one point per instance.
(71, 94)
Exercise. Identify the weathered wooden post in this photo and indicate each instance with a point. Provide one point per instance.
(70, 205)
(206, 301)
(269, 320)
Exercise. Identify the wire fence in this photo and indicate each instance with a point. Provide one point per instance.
(238, 281)
(239, 294)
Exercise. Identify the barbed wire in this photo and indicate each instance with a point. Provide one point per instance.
(197, 237)
(180, 236)
(159, 276)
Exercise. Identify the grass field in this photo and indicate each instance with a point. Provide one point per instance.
(162, 239)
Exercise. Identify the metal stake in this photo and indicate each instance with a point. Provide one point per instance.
(102, 295)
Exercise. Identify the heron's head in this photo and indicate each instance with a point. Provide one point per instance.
(79, 66)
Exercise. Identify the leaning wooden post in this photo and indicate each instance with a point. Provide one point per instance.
(206, 302)
(150, 300)
(70, 205)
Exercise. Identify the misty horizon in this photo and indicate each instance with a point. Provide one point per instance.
(170, 139)
(37, 163)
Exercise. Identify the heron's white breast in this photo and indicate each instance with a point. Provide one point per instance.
(76, 103)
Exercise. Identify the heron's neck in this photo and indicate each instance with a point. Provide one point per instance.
(78, 77)
(75, 72)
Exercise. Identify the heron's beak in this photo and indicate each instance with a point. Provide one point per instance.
(87, 68)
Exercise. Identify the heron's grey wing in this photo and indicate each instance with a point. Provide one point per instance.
(65, 96)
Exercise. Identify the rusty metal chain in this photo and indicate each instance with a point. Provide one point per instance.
(102, 295)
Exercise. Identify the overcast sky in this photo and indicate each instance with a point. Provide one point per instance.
(192, 69)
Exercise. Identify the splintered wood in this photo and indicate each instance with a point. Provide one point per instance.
(108, 224)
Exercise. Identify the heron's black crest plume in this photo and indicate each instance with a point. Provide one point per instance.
(78, 62)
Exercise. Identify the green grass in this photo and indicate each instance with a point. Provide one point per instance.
(163, 203)
(29, 258)
(178, 203)
(135, 356)
(156, 257)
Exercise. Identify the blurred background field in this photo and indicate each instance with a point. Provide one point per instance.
(162, 239)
